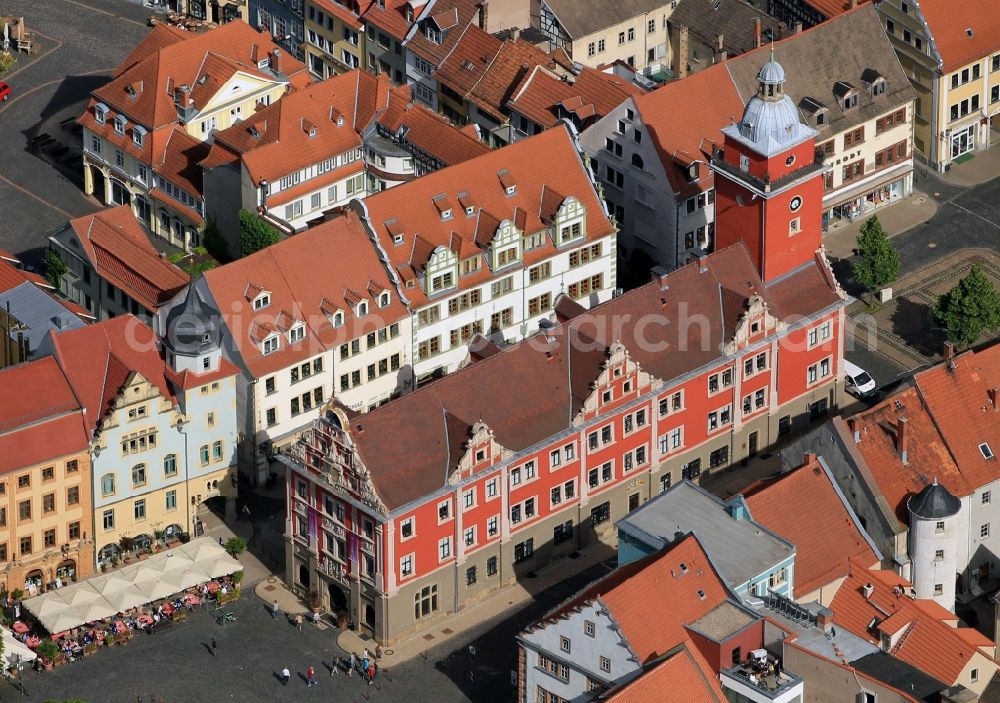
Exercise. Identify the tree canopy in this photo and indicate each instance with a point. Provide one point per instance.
(255, 233)
(970, 308)
(878, 261)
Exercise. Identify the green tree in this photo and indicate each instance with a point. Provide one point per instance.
(55, 268)
(236, 545)
(878, 261)
(970, 308)
(7, 60)
(255, 234)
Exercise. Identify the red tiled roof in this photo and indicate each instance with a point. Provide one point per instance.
(99, 358)
(681, 133)
(412, 204)
(276, 141)
(928, 457)
(832, 8)
(391, 18)
(167, 60)
(469, 62)
(429, 131)
(40, 418)
(419, 44)
(118, 248)
(540, 97)
(959, 401)
(949, 30)
(825, 535)
(659, 578)
(300, 273)
(186, 380)
(685, 674)
(930, 643)
(528, 393)
(11, 276)
(179, 160)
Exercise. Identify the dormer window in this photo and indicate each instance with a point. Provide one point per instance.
(138, 134)
(694, 171)
(261, 301)
(510, 190)
(119, 124)
(397, 238)
(101, 113)
(433, 33)
(337, 319)
(470, 210)
(312, 132)
(362, 309)
(297, 333)
(270, 345)
(383, 299)
(846, 94)
(409, 13)
(446, 214)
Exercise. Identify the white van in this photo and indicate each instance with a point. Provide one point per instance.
(858, 381)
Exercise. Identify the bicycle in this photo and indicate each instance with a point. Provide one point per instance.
(225, 616)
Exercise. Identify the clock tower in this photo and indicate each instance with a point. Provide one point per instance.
(769, 181)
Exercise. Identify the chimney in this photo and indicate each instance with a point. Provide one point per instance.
(719, 53)
(901, 439)
(949, 355)
(854, 3)
(824, 619)
(993, 398)
(682, 52)
(756, 32)
(808, 458)
(484, 15)
(852, 425)
(867, 590)
(797, 28)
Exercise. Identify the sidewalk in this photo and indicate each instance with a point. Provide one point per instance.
(981, 167)
(897, 218)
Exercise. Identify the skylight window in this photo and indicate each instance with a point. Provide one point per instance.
(986, 451)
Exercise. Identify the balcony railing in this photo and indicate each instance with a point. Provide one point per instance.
(760, 685)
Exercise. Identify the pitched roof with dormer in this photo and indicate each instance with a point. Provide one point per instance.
(410, 225)
(451, 17)
(930, 640)
(308, 278)
(961, 37)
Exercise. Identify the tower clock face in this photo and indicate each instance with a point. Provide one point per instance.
(795, 203)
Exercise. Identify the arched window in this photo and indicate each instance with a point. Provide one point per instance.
(107, 484)
(338, 319)
(362, 308)
(139, 475)
(383, 299)
(637, 161)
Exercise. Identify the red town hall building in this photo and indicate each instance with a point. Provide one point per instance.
(530, 453)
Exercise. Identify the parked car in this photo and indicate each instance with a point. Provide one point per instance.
(4, 90)
(858, 382)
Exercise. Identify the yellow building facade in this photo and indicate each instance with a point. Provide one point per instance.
(334, 38)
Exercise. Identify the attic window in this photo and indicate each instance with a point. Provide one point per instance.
(338, 319)
(468, 65)
(397, 238)
(433, 34)
(312, 132)
(261, 301)
(987, 453)
(968, 32)
(701, 594)
(270, 345)
(684, 568)
(297, 333)
(202, 79)
(138, 133)
(362, 308)
(340, 120)
(470, 210)
(383, 299)
(119, 124)
(101, 112)
(693, 170)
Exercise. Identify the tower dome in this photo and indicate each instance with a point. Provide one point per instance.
(193, 327)
(934, 502)
(770, 122)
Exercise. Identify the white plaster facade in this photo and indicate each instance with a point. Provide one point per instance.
(544, 648)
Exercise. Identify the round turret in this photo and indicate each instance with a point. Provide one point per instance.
(933, 543)
(193, 327)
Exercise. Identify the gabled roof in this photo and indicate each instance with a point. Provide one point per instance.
(117, 247)
(165, 61)
(950, 30)
(40, 418)
(303, 273)
(543, 97)
(457, 16)
(685, 674)
(823, 527)
(681, 575)
(930, 642)
(532, 390)
(927, 457)
(964, 403)
(99, 358)
(427, 130)
(411, 208)
(305, 126)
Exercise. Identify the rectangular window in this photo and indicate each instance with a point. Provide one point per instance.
(73, 495)
(524, 550)
(109, 519)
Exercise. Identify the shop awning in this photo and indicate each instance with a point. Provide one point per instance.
(161, 575)
(13, 647)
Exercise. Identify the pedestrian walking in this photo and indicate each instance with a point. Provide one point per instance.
(214, 646)
(334, 665)
(364, 663)
(310, 677)
(378, 652)
(371, 675)
(365, 655)
(298, 621)
(275, 610)
(286, 676)
(221, 543)
(353, 662)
